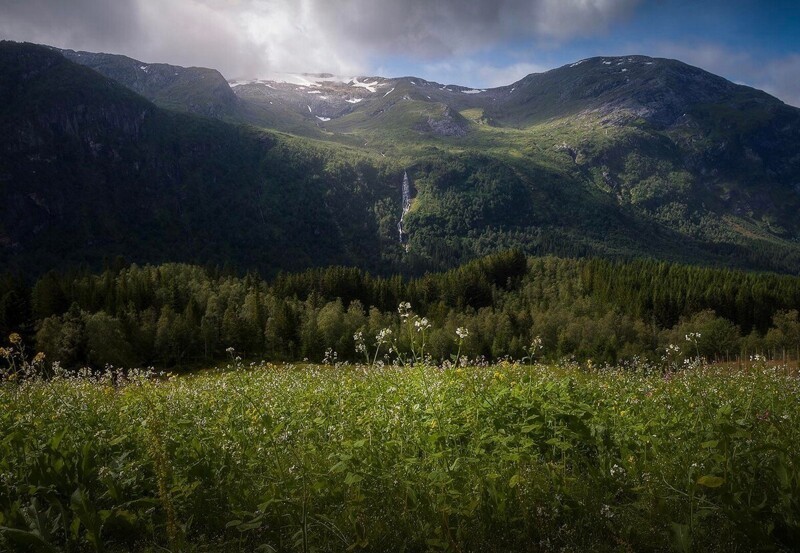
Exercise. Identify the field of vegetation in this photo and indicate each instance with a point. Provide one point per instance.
(508, 457)
(522, 405)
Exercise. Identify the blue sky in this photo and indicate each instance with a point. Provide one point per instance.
(478, 43)
(748, 42)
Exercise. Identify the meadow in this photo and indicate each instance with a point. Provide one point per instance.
(507, 457)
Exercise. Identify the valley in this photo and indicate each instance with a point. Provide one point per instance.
(311, 312)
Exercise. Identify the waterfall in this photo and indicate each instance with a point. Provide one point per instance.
(406, 206)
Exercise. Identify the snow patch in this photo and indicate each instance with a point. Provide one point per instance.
(472, 91)
(512, 90)
(648, 63)
(323, 118)
(577, 63)
(606, 62)
(623, 71)
(369, 86)
(412, 82)
(314, 92)
(392, 90)
(288, 78)
(309, 109)
(354, 100)
(145, 68)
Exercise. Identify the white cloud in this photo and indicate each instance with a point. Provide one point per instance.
(471, 73)
(781, 78)
(256, 37)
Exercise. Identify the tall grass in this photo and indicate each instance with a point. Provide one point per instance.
(505, 458)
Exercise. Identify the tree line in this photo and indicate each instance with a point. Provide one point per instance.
(184, 315)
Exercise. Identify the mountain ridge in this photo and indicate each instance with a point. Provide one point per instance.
(614, 157)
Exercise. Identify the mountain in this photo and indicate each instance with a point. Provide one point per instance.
(192, 89)
(196, 90)
(614, 156)
(90, 170)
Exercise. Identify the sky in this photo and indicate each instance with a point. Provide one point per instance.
(477, 43)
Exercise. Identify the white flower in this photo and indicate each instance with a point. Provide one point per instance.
(462, 332)
(404, 309)
(422, 324)
(383, 335)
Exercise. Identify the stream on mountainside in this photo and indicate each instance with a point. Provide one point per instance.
(403, 236)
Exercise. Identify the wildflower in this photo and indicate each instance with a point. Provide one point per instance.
(422, 324)
(605, 510)
(358, 338)
(38, 358)
(15, 338)
(462, 332)
(383, 336)
(404, 309)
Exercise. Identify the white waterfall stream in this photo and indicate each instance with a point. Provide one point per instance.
(406, 206)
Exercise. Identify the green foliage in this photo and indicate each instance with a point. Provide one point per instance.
(182, 315)
(501, 458)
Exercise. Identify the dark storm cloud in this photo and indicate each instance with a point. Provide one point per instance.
(436, 29)
(251, 36)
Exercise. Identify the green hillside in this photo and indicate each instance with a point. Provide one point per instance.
(661, 160)
(90, 170)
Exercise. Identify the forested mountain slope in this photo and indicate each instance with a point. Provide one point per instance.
(612, 157)
(88, 170)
